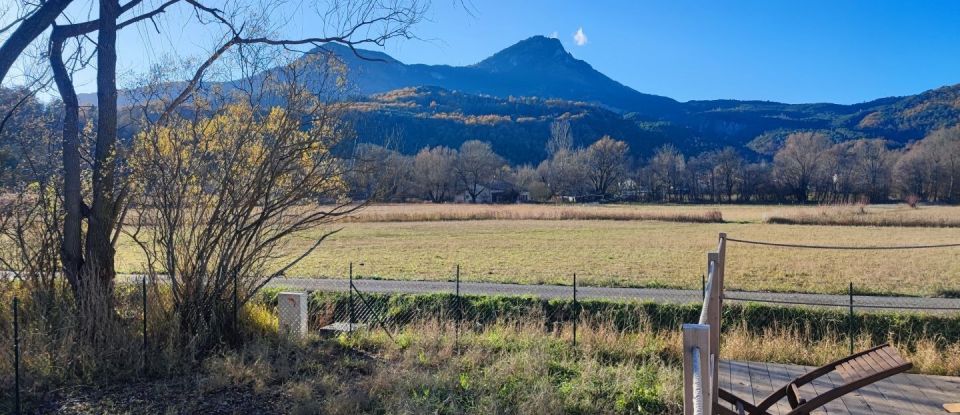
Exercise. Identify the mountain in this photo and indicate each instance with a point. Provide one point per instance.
(510, 99)
(535, 67)
(540, 67)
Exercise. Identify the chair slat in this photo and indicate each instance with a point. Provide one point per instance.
(884, 359)
(894, 356)
(857, 371)
(870, 360)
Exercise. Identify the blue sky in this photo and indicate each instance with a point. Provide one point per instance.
(790, 51)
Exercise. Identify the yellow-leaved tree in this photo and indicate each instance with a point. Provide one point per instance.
(221, 191)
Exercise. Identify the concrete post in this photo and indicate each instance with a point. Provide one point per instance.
(292, 312)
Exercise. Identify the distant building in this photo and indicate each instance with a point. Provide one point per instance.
(497, 192)
(484, 196)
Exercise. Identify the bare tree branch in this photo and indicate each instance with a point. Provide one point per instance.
(27, 31)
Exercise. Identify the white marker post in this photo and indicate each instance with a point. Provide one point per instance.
(292, 311)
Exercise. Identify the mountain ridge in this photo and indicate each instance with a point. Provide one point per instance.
(540, 67)
(541, 70)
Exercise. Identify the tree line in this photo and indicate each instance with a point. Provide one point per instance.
(808, 167)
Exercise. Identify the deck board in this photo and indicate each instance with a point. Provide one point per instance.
(740, 381)
(900, 394)
(778, 378)
(759, 380)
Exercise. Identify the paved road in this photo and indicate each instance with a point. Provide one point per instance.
(662, 295)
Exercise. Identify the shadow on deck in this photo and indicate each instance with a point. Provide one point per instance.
(901, 394)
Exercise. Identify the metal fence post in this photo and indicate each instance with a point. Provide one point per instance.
(143, 350)
(703, 287)
(440, 317)
(350, 301)
(456, 343)
(850, 319)
(576, 310)
(236, 303)
(16, 354)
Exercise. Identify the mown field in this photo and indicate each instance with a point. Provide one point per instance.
(533, 246)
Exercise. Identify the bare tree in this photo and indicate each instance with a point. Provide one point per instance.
(30, 205)
(701, 177)
(606, 163)
(561, 137)
(88, 251)
(477, 165)
(943, 148)
(31, 225)
(564, 173)
(667, 168)
(757, 182)
(930, 168)
(434, 172)
(866, 167)
(914, 173)
(378, 173)
(801, 162)
(528, 179)
(729, 169)
(876, 163)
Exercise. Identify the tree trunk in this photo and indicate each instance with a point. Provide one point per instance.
(70, 251)
(801, 192)
(99, 248)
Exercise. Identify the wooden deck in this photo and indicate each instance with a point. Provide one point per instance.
(898, 395)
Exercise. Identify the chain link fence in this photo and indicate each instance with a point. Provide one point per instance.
(473, 313)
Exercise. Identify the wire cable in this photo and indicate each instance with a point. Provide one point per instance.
(855, 305)
(841, 247)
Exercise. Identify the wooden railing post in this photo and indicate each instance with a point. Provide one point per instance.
(701, 342)
(718, 284)
(698, 375)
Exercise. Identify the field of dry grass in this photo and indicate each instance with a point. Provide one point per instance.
(462, 212)
(629, 253)
(857, 215)
(854, 215)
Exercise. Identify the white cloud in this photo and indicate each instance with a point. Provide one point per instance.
(580, 38)
(554, 35)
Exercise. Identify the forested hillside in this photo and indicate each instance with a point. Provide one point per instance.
(518, 128)
(510, 98)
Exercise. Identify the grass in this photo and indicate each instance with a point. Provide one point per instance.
(614, 253)
(505, 368)
(909, 330)
(465, 212)
(626, 253)
(752, 332)
(515, 356)
(857, 215)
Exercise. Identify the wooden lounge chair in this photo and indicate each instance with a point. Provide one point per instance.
(857, 370)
